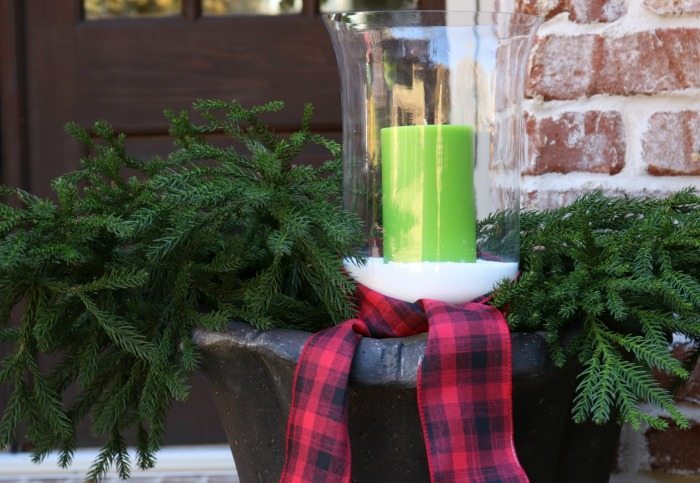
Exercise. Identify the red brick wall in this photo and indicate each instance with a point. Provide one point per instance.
(651, 455)
(613, 98)
(613, 103)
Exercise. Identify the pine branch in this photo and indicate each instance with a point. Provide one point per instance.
(629, 268)
(132, 254)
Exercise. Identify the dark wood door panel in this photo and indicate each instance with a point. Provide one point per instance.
(51, 81)
(129, 71)
(132, 70)
(13, 121)
(145, 147)
(192, 422)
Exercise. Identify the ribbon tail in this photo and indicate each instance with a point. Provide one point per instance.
(318, 442)
(465, 396)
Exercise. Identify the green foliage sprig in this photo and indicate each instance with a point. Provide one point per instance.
(113, 275)
(609, 280)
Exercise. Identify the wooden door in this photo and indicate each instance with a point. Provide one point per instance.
(58, 65)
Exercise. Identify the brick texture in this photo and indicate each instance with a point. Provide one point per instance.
(590, 141)
(671, 144)
(571, 67)
(544, 8)
(674, 450)
(649, 62)
(673, 7)
(592, 11)
(581, 11)
(549, 199)
(562, 67)
(689, 392)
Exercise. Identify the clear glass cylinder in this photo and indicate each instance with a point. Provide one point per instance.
(433, 141)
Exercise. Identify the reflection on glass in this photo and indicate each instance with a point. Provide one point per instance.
(250, 7)
(97, 9)
(363, 5)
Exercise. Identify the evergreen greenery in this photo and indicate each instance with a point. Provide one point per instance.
(609, 280)
(111, 277)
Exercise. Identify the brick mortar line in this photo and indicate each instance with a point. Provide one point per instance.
(624, 182)
(633, 451)
(672, 101)
(690, 411)
(634, 128)
(637, 19)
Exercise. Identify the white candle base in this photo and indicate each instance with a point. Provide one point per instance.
(449, 282)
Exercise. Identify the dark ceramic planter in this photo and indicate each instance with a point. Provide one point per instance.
(251, 372)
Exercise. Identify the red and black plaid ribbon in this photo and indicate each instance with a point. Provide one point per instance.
(464, 392)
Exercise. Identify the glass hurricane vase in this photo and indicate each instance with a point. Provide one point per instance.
(433, 141)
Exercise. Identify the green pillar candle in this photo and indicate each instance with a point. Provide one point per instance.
(428, 202)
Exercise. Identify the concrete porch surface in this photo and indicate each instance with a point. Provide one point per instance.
(181, 464)
(653, 478)
(191, 464)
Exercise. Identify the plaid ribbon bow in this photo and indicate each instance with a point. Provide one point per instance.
(464, 392)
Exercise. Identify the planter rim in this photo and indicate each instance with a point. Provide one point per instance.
(392, 361)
